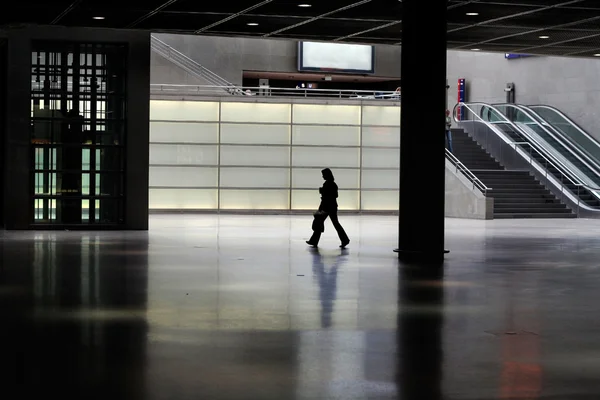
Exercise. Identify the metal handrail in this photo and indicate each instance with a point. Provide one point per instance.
(594, 167)
(569, 120)
(555, 163)
(559, 168)
(173, 89)
(191, 66)
(460, 167)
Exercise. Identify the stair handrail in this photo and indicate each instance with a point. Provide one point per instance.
(359, 95)
(173, 53)
(595, 167)
(191, 66)
(569, 120)
(548, 158)
(515, 144)
(460, 167)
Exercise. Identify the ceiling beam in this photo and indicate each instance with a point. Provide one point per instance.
(520, 14)
(369, 30)
(461, 4)
(232, 16)
(151, 13)
(595, 35)
(512, 35)
(318, 17)
(67, 10)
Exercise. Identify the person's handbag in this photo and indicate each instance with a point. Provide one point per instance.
(318, 224)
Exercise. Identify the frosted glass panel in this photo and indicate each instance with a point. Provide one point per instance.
(255, 177)
(175, 154)
(312, 179)
(381, 136)
(381, 115)
(254, 199)
(326, 135)
(382, 158)
(259, 156)
(182, 199)
(305, 200)
(322, 157)
(184, 177)
(253, 112)
(167, 110)
(326, 115)
(377, 179)
(184, 132)
(255, 134)
(380, 201)
(309, 200)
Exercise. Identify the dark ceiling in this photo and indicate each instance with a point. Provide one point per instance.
(556, 27)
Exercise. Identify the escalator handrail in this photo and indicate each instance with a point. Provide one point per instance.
(594, 167)
(569, 120)
(490, 125)
(533, 144)
(477, 183)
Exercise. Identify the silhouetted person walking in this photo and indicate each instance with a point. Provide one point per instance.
(328, 208)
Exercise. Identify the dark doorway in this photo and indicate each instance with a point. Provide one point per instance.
(77, 133)
(3, 97)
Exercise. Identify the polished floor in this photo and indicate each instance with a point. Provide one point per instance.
(237, 307)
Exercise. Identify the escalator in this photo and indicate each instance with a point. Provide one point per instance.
(529, 130)
(577, 136)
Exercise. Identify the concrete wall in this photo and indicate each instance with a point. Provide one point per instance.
(570, 84)
(230, 56)
(462, 201)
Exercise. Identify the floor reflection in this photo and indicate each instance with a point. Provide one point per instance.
(194, 309)
(420, 331)
(326, 277)
(73, 316)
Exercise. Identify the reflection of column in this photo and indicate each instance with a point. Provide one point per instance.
(420, 321)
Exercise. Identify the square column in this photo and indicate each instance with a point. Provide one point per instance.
(422, 137)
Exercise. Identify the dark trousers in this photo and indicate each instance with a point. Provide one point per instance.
(332, 214)
(449, 140)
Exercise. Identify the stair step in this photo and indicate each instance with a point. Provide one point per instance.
(533, 216)
(529, 206)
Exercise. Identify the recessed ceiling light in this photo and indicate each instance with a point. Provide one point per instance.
(544, 37)
(305, 5)
(252, 24)
(98, 17)
(472, 14)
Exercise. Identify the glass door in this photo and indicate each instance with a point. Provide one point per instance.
(78, 105)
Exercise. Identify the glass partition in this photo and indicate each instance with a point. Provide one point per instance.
(268, 156)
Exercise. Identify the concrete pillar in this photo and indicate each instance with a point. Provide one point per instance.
(422, 154)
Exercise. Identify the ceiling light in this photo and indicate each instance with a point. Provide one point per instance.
(98, 17)
(544, 37)
(476, 49)
(597, 55)
(305, 5)
(252, 24)
(472, 14)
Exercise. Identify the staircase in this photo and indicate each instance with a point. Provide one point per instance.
(192, 67)
(584, 194)
(516, 194)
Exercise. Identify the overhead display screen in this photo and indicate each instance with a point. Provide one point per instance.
(336, 57)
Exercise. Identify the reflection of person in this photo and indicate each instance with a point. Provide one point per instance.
(327, 281)
(329, 206)
(449, 130)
